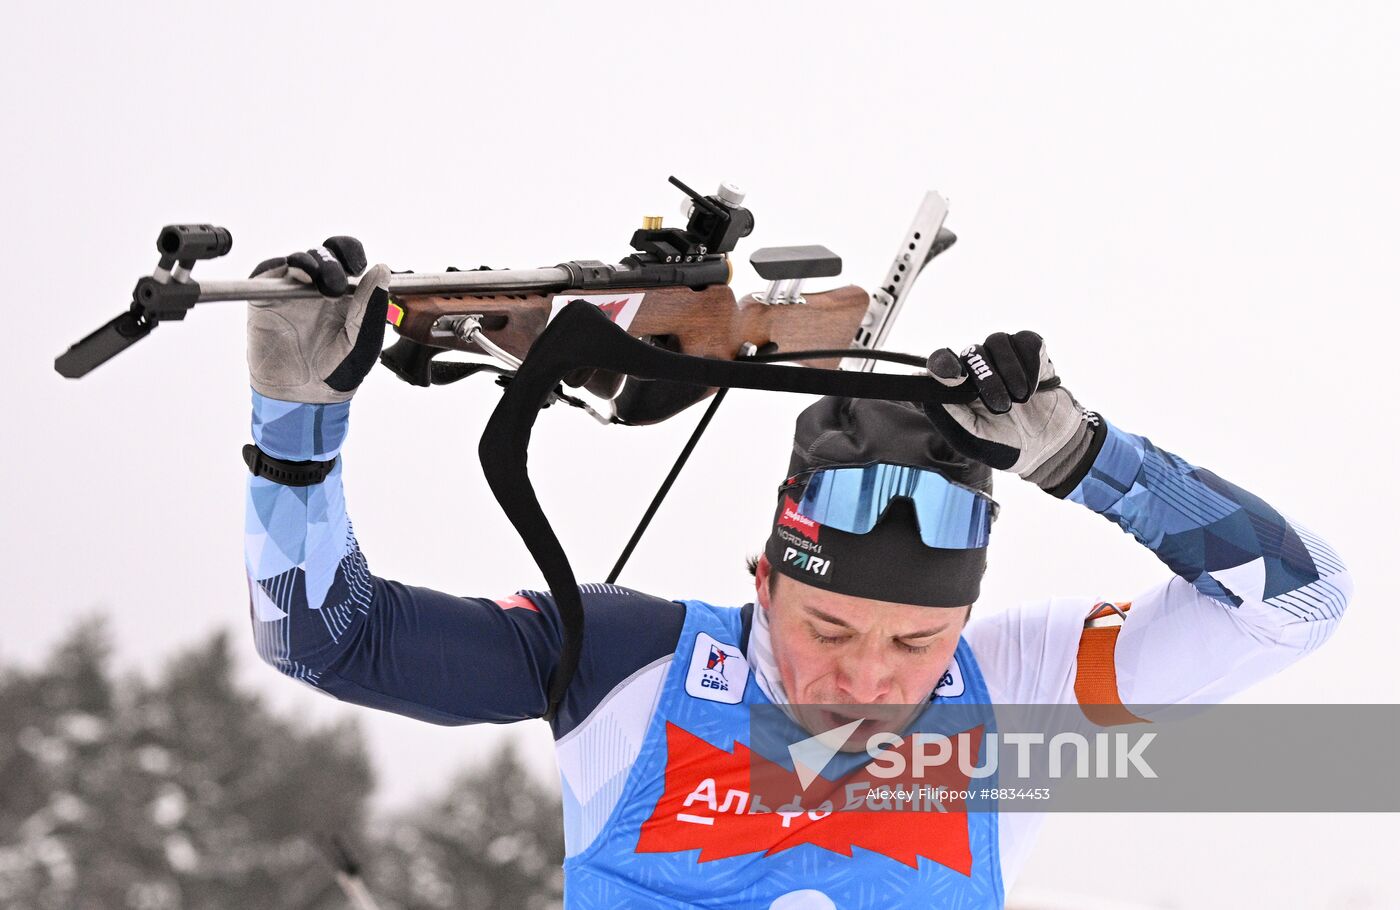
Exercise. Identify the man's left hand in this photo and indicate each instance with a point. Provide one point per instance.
(1023, 420)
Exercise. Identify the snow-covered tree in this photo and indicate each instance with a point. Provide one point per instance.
(180, 793)
(493, 840)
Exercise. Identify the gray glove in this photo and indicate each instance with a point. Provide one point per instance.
(318, 351)
(1023, 420)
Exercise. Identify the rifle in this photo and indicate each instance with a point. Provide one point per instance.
(672, 291)
(650, 335)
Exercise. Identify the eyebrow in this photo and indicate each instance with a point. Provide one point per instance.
(827, 617)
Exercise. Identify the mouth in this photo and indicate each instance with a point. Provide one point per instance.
(873, 719)
(870, 717)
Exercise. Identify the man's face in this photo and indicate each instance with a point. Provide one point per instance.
(843, 658)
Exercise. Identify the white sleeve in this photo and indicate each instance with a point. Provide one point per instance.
(1176, 646)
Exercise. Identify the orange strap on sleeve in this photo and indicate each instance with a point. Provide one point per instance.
(1096, 676)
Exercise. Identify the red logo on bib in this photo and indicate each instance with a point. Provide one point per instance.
(708, 804)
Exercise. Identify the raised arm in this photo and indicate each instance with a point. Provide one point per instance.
(1251, 590)
(319, 614)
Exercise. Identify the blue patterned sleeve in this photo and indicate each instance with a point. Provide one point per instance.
(320, 616)
(299, 549)
(1232, 546)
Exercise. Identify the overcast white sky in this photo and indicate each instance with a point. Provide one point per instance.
(1196, 204)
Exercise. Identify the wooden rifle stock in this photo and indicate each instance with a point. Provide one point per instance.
(707, 322)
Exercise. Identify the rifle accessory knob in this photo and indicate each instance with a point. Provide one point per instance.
(730, 194)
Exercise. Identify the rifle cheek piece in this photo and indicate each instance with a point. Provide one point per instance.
(582, 337)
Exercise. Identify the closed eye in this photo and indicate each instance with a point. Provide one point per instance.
(827, 639)
(918, 644)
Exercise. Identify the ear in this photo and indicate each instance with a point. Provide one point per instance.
(763, 573)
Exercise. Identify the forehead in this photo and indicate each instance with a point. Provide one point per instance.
(797, 598)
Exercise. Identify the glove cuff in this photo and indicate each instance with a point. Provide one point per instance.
(1060, 474)
(296, 431)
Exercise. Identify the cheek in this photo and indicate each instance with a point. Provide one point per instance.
(801, 661)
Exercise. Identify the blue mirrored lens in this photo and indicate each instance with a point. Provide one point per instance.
(951, 517)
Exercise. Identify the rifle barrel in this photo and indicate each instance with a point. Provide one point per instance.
(499, 281)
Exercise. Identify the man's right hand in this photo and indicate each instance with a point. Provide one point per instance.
(318, 351)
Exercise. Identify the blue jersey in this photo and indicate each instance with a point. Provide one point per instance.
(656, 720)
(686, 830)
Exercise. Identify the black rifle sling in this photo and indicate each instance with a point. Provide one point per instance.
(704, 422)
(665, 487)
(582, 337)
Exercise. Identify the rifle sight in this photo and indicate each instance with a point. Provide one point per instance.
(716, 225)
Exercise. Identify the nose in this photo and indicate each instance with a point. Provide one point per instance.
(863, 677)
